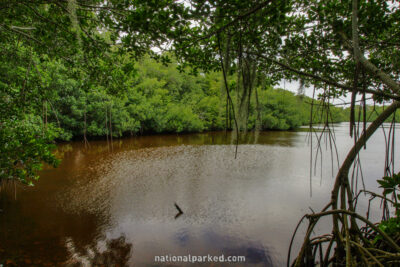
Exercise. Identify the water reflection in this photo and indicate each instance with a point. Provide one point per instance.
(99, 147)
(99, 205)
(115, 252)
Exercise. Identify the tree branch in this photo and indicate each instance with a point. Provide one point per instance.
(327, 81)
(355, 215)
(20, 33)
(237, 19)
(384, 77)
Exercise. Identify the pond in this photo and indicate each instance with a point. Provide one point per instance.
(118, 202)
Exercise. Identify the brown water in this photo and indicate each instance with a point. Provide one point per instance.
(118, 203)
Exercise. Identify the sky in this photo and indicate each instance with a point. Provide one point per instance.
(294, 85)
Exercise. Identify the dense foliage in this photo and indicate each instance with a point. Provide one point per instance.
(149, 97)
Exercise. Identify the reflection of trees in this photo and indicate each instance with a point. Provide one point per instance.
(116, 253)
(62, 149)
(99, 148)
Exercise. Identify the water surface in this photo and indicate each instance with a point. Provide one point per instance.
(121, 198)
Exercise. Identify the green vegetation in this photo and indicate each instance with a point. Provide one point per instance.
(372, 112)
(158, 98)
(391, 186)
(25, 145)
(143, 96)
(389, 226)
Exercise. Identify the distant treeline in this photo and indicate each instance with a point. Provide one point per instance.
(148, 96)
(372, 112)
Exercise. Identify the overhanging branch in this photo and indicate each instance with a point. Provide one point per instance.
(236, 20)
(327, 81)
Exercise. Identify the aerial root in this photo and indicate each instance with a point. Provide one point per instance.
(351, 248)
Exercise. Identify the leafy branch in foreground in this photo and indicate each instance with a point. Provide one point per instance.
(25, 144)
(391, 185)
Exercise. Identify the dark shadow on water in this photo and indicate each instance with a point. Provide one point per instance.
(256, 254)
(216, 245)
